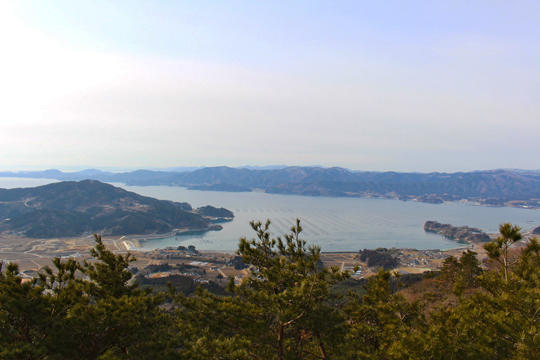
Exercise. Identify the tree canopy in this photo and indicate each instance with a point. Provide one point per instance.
(287, 308)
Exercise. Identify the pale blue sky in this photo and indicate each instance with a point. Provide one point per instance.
(379, 85)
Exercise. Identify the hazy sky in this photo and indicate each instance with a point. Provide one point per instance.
(370, 85)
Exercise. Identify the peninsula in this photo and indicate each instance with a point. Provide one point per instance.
(73, 208)
(463, 234)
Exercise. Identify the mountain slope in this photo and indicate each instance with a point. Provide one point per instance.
(494, 187)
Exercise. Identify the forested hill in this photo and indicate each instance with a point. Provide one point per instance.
(72, 208)
(494, 187)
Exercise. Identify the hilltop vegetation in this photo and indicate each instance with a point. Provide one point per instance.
(286, 309)
(73, 208)
(379, 258)
(496, 187)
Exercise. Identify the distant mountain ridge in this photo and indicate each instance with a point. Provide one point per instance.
(489, 187)
(73, 208)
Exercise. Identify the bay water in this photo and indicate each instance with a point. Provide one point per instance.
(334, 224)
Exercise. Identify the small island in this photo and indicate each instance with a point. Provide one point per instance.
(462, 234)
(213, 213)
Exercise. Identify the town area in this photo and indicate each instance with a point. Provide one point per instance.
(210, 266)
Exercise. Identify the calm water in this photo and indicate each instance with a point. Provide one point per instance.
(335, 224)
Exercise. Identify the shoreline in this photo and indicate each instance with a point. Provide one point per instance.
(515, 204)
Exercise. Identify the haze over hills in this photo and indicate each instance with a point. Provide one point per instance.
(73, 208)
(489, 187)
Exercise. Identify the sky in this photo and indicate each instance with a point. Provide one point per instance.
(367, 85)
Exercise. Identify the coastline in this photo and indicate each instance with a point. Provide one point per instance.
(426, 199)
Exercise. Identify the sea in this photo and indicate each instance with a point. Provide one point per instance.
(333, 223)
